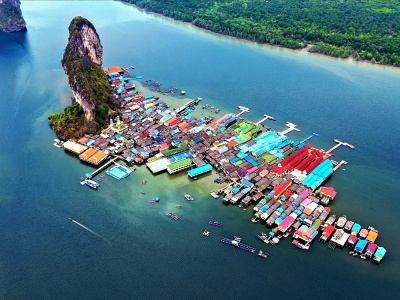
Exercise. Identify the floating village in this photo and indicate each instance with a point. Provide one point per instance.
(281, 178)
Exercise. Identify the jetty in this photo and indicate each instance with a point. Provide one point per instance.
(100, 169)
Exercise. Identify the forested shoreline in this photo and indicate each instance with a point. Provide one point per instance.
(364, 30)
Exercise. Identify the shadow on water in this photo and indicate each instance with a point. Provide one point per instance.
(15, 71)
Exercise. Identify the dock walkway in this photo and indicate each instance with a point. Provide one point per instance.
(105, 166)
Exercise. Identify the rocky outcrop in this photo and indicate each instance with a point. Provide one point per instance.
(83, 52)
(11, 18)
(83, 41)
(82, 61)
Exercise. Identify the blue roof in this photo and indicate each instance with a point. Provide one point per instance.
(90, 142)
(200, 170)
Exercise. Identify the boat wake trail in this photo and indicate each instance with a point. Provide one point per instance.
(90, 230)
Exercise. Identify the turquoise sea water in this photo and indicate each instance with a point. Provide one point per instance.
(44, 256)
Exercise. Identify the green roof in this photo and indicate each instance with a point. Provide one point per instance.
(175, 150)
(180, 164)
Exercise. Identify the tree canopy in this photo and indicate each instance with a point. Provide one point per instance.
(366, 30)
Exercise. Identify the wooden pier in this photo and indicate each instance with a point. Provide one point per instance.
(343, 162)
(105, 166)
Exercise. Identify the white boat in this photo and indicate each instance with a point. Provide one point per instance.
(90, 183)
(214, 194)
(57, 143)
(300, 245)
(188, 197)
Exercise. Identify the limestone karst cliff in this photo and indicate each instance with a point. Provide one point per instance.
(11, 18)
(93, 100)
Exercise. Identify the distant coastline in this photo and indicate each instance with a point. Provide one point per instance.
(303, 50)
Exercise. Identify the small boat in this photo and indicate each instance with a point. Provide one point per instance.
(300, 245)
(254, 220)
(263, 254)
(155, 199)
(91, 183)
(206, 233)
(183, 93)
(57, 143)
(274, 241)
(236, 238)
(263, 237)
(188, 197)
(215, 195)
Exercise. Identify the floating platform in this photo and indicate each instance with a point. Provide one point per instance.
(215, 223)
(119, 172)
(173, 216)
(238, 244)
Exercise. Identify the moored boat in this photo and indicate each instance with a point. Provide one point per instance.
(263, 254)
(91, 183)
(214, 195)
(300, 245)
(57, 143)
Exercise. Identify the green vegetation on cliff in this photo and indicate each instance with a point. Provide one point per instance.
(367, 30)
(88, 81)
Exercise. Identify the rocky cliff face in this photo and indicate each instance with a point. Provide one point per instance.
(83, 51)
(11, 16)
(93, 102)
